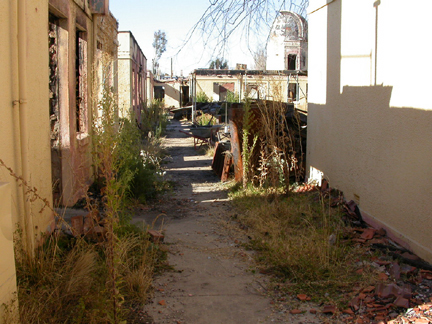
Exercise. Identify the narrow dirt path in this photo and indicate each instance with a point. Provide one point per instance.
(211, 281)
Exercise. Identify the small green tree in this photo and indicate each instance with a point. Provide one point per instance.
(159, 44)
(219, 64)
(202, 97)
(232, 96)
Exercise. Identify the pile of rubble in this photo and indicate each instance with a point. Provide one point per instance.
(405, 280)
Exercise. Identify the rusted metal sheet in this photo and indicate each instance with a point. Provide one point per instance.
(236, 116)
(295, 121)
(222, 160)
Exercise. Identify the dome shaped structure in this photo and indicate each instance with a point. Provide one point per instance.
(287, 43)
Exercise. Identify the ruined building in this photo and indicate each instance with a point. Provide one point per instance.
(287, 47)
(132, 76)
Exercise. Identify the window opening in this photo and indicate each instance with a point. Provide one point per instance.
(292, 58)
(81, 67)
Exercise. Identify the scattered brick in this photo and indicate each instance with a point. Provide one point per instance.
(368, 234)
(295, 311)
(329, 309)
(302, 297)
(395, 270)
(401, 302)
(369, 289)
(77, 225)
(156, 236)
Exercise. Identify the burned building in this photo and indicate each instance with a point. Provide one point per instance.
(287, 46)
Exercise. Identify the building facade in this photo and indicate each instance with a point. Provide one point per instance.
(48, 53)
(287, 46)
(132, 76)
(82, 38)
(369, 127)
(282, 86)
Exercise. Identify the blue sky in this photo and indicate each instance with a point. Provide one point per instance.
(176, 18)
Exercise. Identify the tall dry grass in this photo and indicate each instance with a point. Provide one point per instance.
(79, 279)
(302, 241)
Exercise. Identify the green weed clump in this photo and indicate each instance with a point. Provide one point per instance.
(302, 241)
(202, 97)
(141, 162)
(154, 120)
(205, 120)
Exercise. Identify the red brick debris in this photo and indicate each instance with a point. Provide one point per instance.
(404, 290)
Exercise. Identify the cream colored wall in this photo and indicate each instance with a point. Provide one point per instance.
(205, 84)
(24, 127)
(150, 87)
(7, 261)
(125, 86)
(172, 93)
(124, 74)
(370, 118)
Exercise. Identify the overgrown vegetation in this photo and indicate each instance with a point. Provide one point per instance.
(303, 242)
(299, 238)
(205, 120)
(202, 97)
(233, 96)
(95, 277)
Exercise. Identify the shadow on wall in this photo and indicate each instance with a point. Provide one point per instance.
(376, 154)
(171, 95)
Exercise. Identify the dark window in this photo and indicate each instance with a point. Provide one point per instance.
(292, 92)
(159, 92)
(80, 70)
(292, 60)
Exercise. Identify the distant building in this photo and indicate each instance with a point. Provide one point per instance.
(174, 91)
(82, 53)
(287, 46)
(222, 85)
(132, 76)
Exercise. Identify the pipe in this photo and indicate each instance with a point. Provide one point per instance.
(22, 87)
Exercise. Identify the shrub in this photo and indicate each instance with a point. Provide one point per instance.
(202, 97)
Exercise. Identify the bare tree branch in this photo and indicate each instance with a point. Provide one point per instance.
(252, 19)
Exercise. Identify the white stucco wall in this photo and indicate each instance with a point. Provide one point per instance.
(370, 118)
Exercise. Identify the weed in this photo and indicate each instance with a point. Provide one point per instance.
(205, 120)
(247, 148)
(202, 97)
(233, 97)
(301, 241)
(73, 279)
(154, 120)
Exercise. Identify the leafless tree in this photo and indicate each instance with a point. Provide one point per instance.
(253, 18)
(260, 58)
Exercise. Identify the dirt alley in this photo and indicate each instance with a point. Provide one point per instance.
(212, 281)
